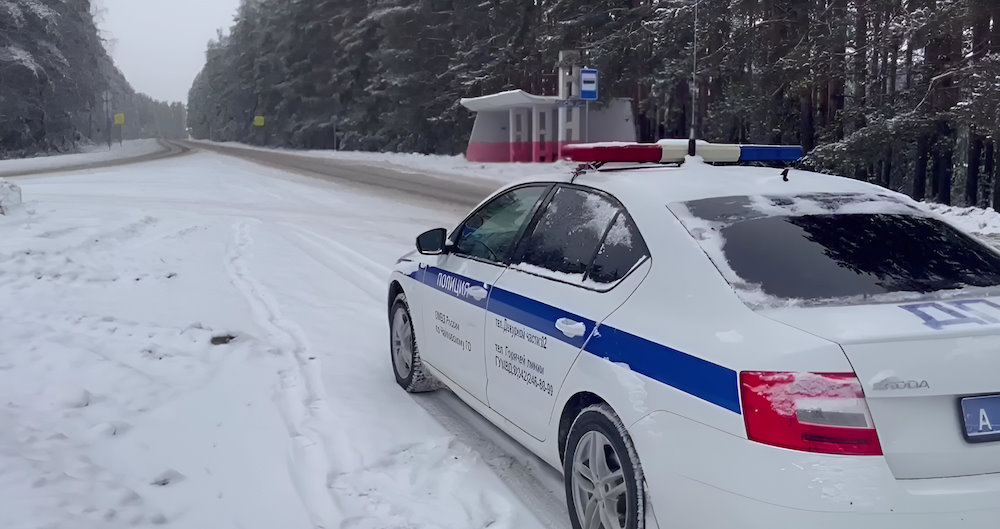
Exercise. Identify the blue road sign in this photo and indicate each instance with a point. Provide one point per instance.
(588, 84)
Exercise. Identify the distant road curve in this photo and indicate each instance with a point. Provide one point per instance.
(167, 149)
(460, 192)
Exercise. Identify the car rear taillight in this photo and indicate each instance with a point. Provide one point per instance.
(813, 412)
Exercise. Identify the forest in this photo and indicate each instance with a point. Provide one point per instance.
(903, 93)
(58, 85)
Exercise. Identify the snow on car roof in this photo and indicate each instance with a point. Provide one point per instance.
(695, 180)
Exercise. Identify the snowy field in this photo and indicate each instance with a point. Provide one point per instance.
(92, 154)
(200, 342)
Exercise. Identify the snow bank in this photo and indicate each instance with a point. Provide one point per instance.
(10, 196)
(93, 154)
(971, 219)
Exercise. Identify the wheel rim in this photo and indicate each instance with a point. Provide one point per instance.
(402, 343)
(598, 481)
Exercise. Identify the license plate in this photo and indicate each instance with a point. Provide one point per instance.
(982, 418)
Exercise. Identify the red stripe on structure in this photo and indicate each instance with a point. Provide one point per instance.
(481, 151)
(523, 151)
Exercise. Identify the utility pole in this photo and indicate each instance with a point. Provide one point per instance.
(694, 85)
(107, 112)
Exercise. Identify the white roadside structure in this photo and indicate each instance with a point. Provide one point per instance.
(515, 126)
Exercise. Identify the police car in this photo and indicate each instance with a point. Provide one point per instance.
(704, 346)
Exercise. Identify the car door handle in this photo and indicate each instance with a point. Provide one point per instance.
(570, 328)
(478, 293)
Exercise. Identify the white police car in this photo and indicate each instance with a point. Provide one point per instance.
(718, 346)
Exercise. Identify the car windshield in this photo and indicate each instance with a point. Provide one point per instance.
(834, 247)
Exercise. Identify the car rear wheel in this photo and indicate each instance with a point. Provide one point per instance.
(406, 364)
(604, 480)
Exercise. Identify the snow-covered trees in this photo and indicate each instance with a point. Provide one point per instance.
(54, 74)
(902, 92)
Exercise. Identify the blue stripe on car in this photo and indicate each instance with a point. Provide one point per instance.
(703, 379)
(695, 376)
(535, 314)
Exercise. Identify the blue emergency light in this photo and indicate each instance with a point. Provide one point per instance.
(770, 153)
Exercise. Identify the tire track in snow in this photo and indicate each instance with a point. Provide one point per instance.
(532, 481)
(301, 398)
(370, 276)
(537, 485)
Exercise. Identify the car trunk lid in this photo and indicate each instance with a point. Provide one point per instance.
(916, 363)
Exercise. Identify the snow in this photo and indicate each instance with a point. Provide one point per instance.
(573, 279)
(92, 154)
(18, 55)
(597, 214)
(10, 197)
(434, 164)
(619, 233)
(13, 12)
(40, 10)
(202, 342)
(970, 219)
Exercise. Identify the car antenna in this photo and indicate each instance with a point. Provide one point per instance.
(784, 174)
(583, 168)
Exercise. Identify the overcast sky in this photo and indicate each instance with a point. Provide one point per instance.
(160, 44)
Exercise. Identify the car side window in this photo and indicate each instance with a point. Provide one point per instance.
(568, 234)
(491, 231)
(621, 250)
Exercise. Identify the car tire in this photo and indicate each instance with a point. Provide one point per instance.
(403, 354)
(604, 480)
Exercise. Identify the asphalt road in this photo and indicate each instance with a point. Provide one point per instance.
(465, 193)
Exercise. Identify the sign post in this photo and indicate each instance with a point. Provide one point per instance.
(107, 113)
(120, 121)
(258, 123)
(588, 93)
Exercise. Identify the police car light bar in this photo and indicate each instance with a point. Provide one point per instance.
(675, 151)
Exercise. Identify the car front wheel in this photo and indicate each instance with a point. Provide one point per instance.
(406, 364)
(604, 480)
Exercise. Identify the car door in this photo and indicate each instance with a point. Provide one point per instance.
(579, 260)
(460, 280)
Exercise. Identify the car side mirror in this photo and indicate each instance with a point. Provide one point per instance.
(432, 242)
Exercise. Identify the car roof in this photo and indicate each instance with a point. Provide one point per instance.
(696, 180)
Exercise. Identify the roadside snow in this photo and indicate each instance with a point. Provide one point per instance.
(202, 342)
(971, 219)
(10, 197)
(433, 164)
(92, 154)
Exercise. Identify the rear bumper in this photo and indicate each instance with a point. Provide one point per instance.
(701, 477)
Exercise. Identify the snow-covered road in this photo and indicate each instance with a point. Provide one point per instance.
(201, 342)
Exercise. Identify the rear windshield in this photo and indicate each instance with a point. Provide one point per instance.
(835, 247)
